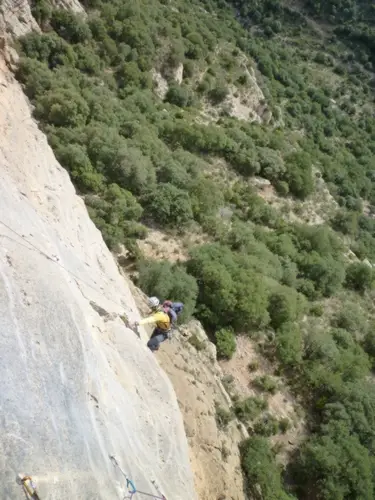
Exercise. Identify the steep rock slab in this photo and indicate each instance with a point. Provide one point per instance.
(76, 384)
(196, 377)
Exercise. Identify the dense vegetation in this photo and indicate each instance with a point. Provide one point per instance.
(139, 159)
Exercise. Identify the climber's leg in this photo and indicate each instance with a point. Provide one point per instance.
(156, 339)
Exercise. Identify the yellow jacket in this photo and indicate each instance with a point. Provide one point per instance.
(160, 318)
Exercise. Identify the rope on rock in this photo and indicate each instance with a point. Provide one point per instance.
(132, 490)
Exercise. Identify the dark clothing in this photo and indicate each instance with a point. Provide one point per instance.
(158, 336)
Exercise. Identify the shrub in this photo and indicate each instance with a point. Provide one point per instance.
(266, 383)
(284, 306)
(282, 188)
(69, 26)
(351, 318)
(218, 94)
(223, 416)
(230, 294)
(253, 366)
(249, 408)
(267, 426)
(284, 425)
(168, 281)
(359, 276)
(327, 273)
(225, 343)
(178, 95)
(289, 346)
(169, 205)
(316, 310)
(260, 469)
(63, 108)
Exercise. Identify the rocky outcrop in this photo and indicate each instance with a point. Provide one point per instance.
(77, 385)
(190, 361)
(73, 5)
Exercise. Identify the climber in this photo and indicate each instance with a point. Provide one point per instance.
(162, 321)
(164, 317)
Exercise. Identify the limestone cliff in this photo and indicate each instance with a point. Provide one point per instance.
(197, 379)
(77, 385)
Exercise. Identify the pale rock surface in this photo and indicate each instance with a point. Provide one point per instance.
(77, 385)
(179, 74)
(73, 5)
(160, 84)
(197, 380)
(16, 19)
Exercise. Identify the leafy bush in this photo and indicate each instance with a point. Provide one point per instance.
(63, 108)
(267, 426)
(226, 287)
(317, 310)
(218, 94)
(249, 408)
(253, 366)
(285, 306)
(260, 469)
(289, 345)
(169, 206)
(266, 383)
(223, 417)
(178, 95)
(324, 467)
(359, 276)
(351, 318)
(169, 282)
(284, 425)
(225, 343)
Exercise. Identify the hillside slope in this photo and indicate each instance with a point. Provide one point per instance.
(77, 385)
(240, 138)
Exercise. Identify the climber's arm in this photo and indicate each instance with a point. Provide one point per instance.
(150, 319)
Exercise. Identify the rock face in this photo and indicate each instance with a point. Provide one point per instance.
(196, 377)
(77, 385)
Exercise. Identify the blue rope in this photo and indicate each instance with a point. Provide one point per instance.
(130, 483)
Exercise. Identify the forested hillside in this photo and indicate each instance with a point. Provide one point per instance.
(140, 101)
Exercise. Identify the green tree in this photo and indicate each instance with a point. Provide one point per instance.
(359, 276)
(169, 205)
(218, 94)
(299, 174)
(261, 471)
(169, 282)
(74, 158)
(285, 305)
(225, 343)
(178, 95)
(63, 108)
(69, 26)
(335, 467)
(327, 274)
(289, 345)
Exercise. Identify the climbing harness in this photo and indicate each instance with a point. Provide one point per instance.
(130, 485)
(28, 486)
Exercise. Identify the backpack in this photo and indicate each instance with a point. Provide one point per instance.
(173, 309)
